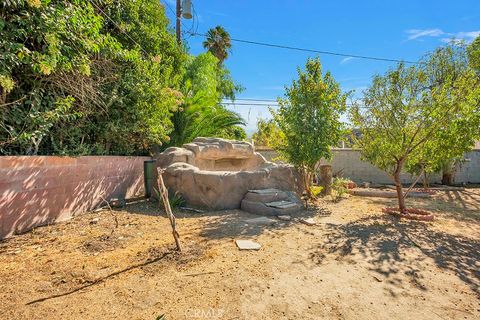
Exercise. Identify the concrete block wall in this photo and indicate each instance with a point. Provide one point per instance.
(39, 190)
(349, 163)
(469, 169)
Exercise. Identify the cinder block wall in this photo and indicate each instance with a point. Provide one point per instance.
(348, 161)
(39, 190)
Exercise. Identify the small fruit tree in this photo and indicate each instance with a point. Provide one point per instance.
(309, 119)
(417, 113)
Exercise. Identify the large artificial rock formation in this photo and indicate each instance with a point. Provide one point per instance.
(216, 173)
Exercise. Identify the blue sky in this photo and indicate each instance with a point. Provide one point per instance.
(390, 29)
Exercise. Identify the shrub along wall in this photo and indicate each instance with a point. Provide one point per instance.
(39, 190)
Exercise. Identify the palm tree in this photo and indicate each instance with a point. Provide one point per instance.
(218, 43)
(201, 116)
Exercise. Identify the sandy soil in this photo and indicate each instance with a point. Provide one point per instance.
(356, 263)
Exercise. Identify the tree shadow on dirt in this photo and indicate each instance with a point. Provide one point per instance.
(235, 223)
(225, 223)
(459, 205)
(391, 247)
(466, 201)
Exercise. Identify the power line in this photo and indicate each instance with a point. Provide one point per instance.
(264, 104)
(249, 104)
(313, 50)
(252, 99)
(195, 24)
(170, 8)
(260, 100)
(190, 32)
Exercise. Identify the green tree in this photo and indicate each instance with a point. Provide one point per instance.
(412, 112)
(474, 54)
(233, 133)
(76, 82)
(309, 119)
(201, 113)
(146, 69)
(218, 43)
(447, 147)
(42, 47)
(268, 134)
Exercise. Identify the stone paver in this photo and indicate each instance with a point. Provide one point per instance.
(247, 245)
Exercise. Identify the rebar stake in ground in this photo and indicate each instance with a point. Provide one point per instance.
(164, 193)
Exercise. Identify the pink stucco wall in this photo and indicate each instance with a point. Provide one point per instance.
(39, 190)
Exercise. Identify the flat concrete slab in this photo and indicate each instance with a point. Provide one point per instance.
(260, 221)
(247, 245)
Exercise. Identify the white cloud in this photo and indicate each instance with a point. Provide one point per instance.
(469, 34)
(466, 36)
(346, 60)
(419, 33)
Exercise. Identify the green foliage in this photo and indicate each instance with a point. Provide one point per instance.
(218, 43)
(448, 144)
(233, 133)
(72, 81)
(420, 115)
(200, 114)
(474, 54)
(268, 134)
(176, 200)
(339, 188)
(316, 190)
(40, 42)
(309, 119)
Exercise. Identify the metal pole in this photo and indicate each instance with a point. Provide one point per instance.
(178, 22)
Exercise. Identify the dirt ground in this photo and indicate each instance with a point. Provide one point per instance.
(356, 263)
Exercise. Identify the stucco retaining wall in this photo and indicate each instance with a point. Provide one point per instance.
(39, 190)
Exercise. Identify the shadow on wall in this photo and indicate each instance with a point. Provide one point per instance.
(40, 190)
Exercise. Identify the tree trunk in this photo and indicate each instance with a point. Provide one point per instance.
(399, 187)
(448, 172)
(303, 174)
(447, 177)
(425, 180)
(326, 178)
(306, 181)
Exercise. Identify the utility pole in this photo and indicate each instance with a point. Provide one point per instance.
(178, 22)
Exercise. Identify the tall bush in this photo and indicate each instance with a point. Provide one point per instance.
(309, 119)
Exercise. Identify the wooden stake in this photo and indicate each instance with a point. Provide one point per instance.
(164, 193)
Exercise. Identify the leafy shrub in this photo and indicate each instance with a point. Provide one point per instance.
(339, 188)
(176, 200)
(316, 190)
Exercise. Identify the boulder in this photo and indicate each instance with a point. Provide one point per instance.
(216, 174)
